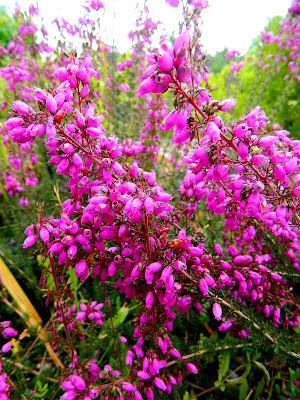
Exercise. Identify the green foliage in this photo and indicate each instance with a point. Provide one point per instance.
(217, 62)
(266, 87)
(224, 361)
(8, 26)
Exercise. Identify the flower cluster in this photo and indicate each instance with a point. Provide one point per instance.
(4, 384)
(7, 332)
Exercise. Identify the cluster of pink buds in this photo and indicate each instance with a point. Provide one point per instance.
(232, 54)
(20, 174)
(295, 7)
(90, 313)
(198, 4)
(236, 67)
(121, 66)
(7, 332)
(158, 77)
(287, 44)
(4, 384)
(76, 388)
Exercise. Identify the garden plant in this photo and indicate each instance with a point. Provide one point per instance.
(149, 211)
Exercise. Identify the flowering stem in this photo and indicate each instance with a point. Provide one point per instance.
(254, 324)
(190, 99)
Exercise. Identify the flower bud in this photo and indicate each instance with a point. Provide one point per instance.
(217, 311)
(51, 104)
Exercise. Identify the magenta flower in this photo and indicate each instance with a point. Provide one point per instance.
(217, 311)
(191, 368)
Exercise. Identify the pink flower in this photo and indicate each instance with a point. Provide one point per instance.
(242, 150)
(82, 269)
(29, 241)
(164, 61)
(213, 131)
(14, 122)
(268, 141)
(21, 108)
(159, 383)
(149, 300)
(78, 382)
(227, 104)
(192, 368)
(44, 235)
(296, 191)
(128, 387)
(225, 326)
(129, 357)
(51, 103)
(96, 4)
(6, 347)
(203, 286)
(9, 332)
(217, 311)
(173, 3)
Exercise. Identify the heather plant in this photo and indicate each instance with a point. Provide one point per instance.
(165, 250)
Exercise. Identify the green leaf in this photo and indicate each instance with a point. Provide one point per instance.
(264, 369)
(259, 388)
(189, 396)
(121, 315)
(243, 389)
(74, 284)
(224, 361)
(41, 390)
(186, 396)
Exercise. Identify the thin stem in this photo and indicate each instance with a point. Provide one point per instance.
(60, 305)
(254, 324)
(203, 351)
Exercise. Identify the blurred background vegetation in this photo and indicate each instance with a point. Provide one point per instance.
(253, 85)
